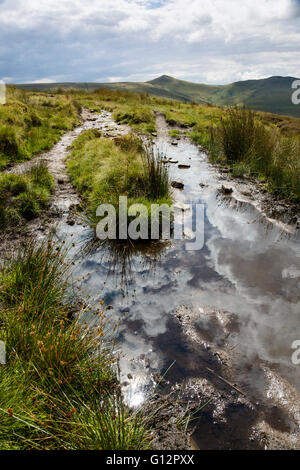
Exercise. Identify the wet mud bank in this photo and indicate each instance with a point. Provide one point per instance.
(270, 205)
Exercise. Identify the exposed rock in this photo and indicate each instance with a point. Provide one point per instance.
(226, 191)
(294, 220)
(184, 167)
(177, 185)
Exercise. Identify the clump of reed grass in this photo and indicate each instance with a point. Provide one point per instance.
(238, 130)
(156, 175)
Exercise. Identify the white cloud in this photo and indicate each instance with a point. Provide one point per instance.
(43, 80)
(217, 41)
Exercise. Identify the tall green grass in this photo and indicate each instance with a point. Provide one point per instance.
(24, 196)
(31, 123)
(59, 388)
(238, 134)
(156, 175)
(252, 148)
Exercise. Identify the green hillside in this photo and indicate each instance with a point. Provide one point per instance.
(271, 94)
(188, 91)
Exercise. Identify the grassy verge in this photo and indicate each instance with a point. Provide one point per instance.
(59, 388)
(252, 148)
(138, 117)
(24, 196)
(31, 123)
(102, 170)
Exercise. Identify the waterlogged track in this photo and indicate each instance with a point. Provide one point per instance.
(223, 317)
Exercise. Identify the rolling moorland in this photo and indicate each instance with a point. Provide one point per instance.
(271, 95)
(59, 388)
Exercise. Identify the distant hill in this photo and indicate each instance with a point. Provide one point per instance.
(270, 94)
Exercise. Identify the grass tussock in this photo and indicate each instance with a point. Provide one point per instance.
(135, 115)
(103, 170)
(24, 196)
(31, 123)
(59, 388)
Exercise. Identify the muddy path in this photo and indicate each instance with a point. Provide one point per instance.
(64, 200)
(210, 330)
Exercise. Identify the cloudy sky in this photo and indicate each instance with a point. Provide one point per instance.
(210, 41)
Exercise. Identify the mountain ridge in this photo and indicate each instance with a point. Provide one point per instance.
(271, 94)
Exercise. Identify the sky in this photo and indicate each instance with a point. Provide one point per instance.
(205, 41)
